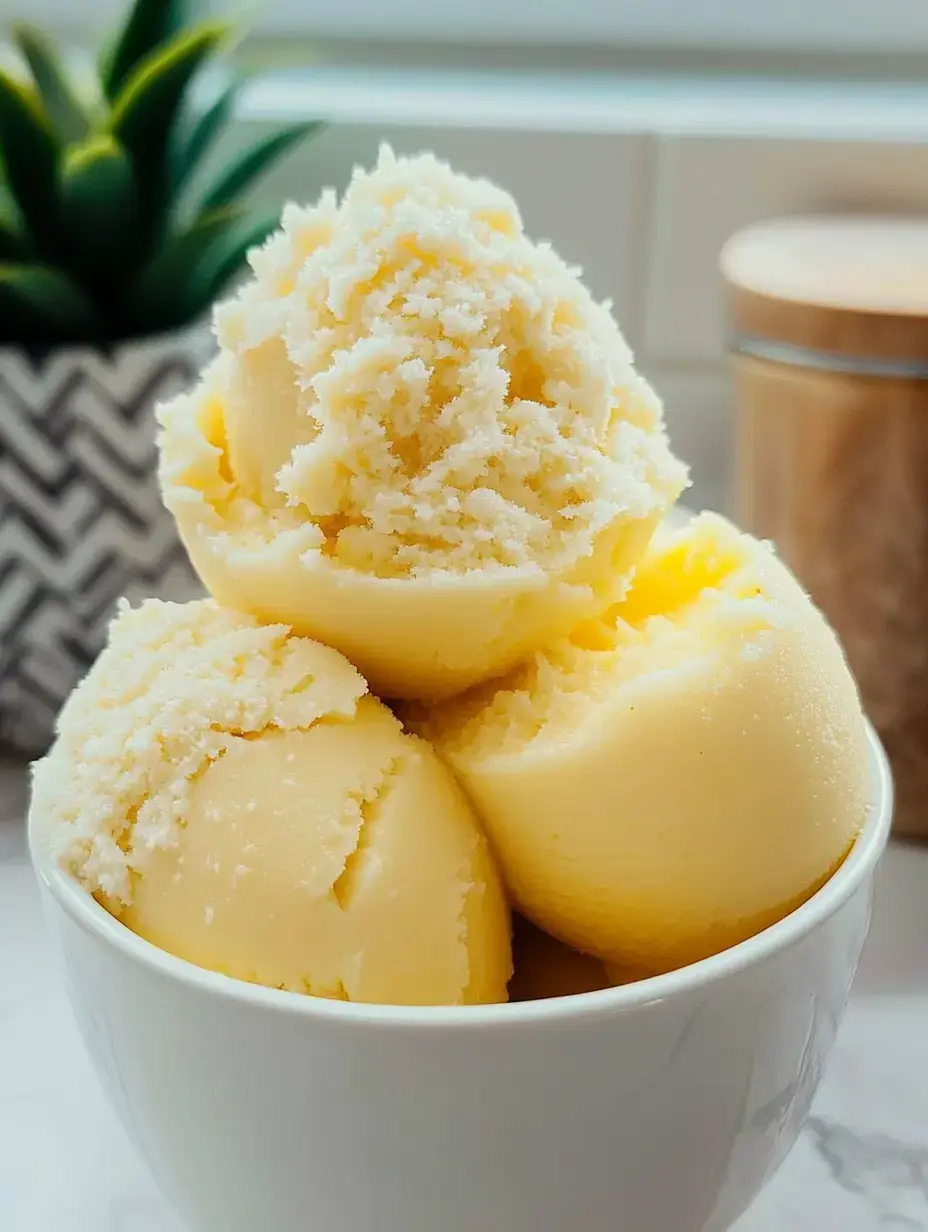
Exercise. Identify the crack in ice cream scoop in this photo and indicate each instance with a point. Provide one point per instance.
(678, 774)
(234, 795)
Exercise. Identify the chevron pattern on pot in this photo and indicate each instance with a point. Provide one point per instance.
(81, 520)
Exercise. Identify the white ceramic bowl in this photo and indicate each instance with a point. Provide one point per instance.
(661, 1106)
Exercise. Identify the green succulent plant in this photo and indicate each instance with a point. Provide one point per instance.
(99, 237)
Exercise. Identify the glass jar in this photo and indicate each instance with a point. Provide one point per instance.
(829, 322)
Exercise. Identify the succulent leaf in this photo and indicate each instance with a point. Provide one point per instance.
(192, 143)
(42, 305)
(147, 105)
(243, 171)
(14, 243)
(98, 212)
(29, 152)
(157, 295)
(222, 260)
(146, 111)
(89, 248)
(65, 113)
(148, 24)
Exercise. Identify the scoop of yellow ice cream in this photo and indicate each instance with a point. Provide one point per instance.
(544, 967)
(233, 794)
(423, 442)
(679, 774)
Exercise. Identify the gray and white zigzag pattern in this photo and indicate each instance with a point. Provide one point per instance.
(81, 520)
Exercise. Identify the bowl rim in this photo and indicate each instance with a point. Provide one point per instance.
(83, 910)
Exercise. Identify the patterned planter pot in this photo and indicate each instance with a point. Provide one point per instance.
(81, 519)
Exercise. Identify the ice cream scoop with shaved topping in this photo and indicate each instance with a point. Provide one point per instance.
(234, 795)
(422, 442)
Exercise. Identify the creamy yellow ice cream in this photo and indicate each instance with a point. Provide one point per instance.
(423, 442)
(678, 774)
(423, 457)
(235, 796)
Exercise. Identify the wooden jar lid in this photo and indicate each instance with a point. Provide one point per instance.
(849, 287)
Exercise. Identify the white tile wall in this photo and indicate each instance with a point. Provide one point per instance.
(707, 188)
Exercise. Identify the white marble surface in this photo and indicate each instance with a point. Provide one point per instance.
(861, 1165)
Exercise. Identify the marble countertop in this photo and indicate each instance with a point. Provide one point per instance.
(860, 1166)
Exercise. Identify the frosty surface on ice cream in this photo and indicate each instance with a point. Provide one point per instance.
(423, 442)
(233, 794)
(678, 774)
